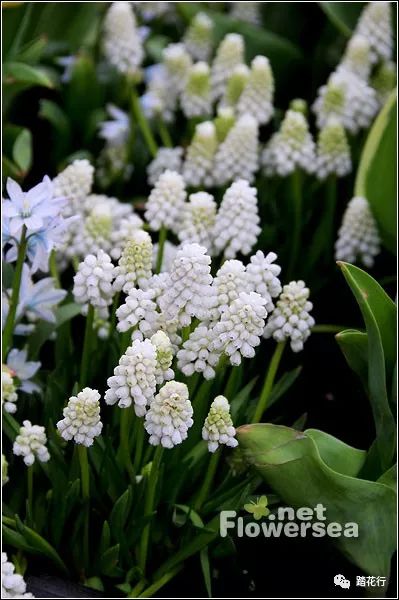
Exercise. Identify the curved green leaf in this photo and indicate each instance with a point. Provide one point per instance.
(343, 15)
(16, 72)
(354, 346)
(291, 463)
(22, 150)
(376, 177)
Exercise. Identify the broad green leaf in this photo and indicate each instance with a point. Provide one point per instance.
(109, 560)
(292, 464)
(16, 72)
(22, 150)
(379, 314)
(354, 346)
(119, 514)
(55, 115)
(336, 454)
(343, 15)
(37, 542)
(376, 176)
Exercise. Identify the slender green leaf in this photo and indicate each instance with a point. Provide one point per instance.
(22, 150)
(354, 345)
(16, 72)
(343, 15)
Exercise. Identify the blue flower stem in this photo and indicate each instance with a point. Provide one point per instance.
(296, 199)
(149, 506)
(142, 122)
(85, 487)
(208, 480)
(163, 233)
(84, 366)
(269, 382)
(12, 312)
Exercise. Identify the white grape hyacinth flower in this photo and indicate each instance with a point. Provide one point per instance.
(164, 350)
(263, 275)
(237, 221)
(249, 12)
(134, 378)
(238, 155)
(135, 264)
(123, 233)
(333, 151)
(30, 443)
(375, 24)
(240, 327)
(195, 99)
(188, 292)
(230, 280)
(197, 354)
(218, 428)
(383, 80)
(229, 54)
(4, 470)
(291, 318)
(9, 394)
(93, 282)
(167, 159)
(198, 37)
(139, 309)
(170, 415)
(177, 62)
(357, 57)
(166, 202)
(198, 220)
(12, 584)
(122, 44)
(74, 183)
(257, 96)
(199, 161)
(234, 87)
(358, 237)
(82, 420)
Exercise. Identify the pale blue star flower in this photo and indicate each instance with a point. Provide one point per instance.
(116, 130)
(38, 300)
(23, 369)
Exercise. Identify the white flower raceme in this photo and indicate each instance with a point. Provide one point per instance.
(170, 415)
(347, 98)
(240, 327)
(357, 57)
(122, 43)
(30, 443)
(134, 378)
(358, 237)
(166, 202)
(4, 470)
(139, 309)
(154, 10)
(101, 325)
(384, 80)
(135, 264)
(122, 233)
(198, 220)
(198, 37)
(177, 61)
(198, 165)
(93, 282)
(235, 86)
(229, 54)
(82, 421)
(164, 350)
(230, 280)
(159, 100)
(12, 584)
(169, 253)
(9, 394)
(291, 147)
(197, 354)
(262, 273)
(257, 96)
(218, 427)
(375, 24)
(237, 221)
(196, 96)
(333, 152)
(167, 159)
(248, 12)
(188, 292)
(291, 319)
(74, 183)
(223, 122)
(237, 156)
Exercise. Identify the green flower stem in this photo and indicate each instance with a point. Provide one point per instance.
(54, 269)
(142, 122)
(157, 585)
(85, 487)
(164, 134)
(139, 439)
(84, 366)
(138, 588)
(328, 328)
(149, 506)
(207, 483)
(163, 233)
(125, 426)
(269, 381)
(185, 333)
(296, 191)
(115, 305)
(331, 203)
(12, 311)
(29, 475)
